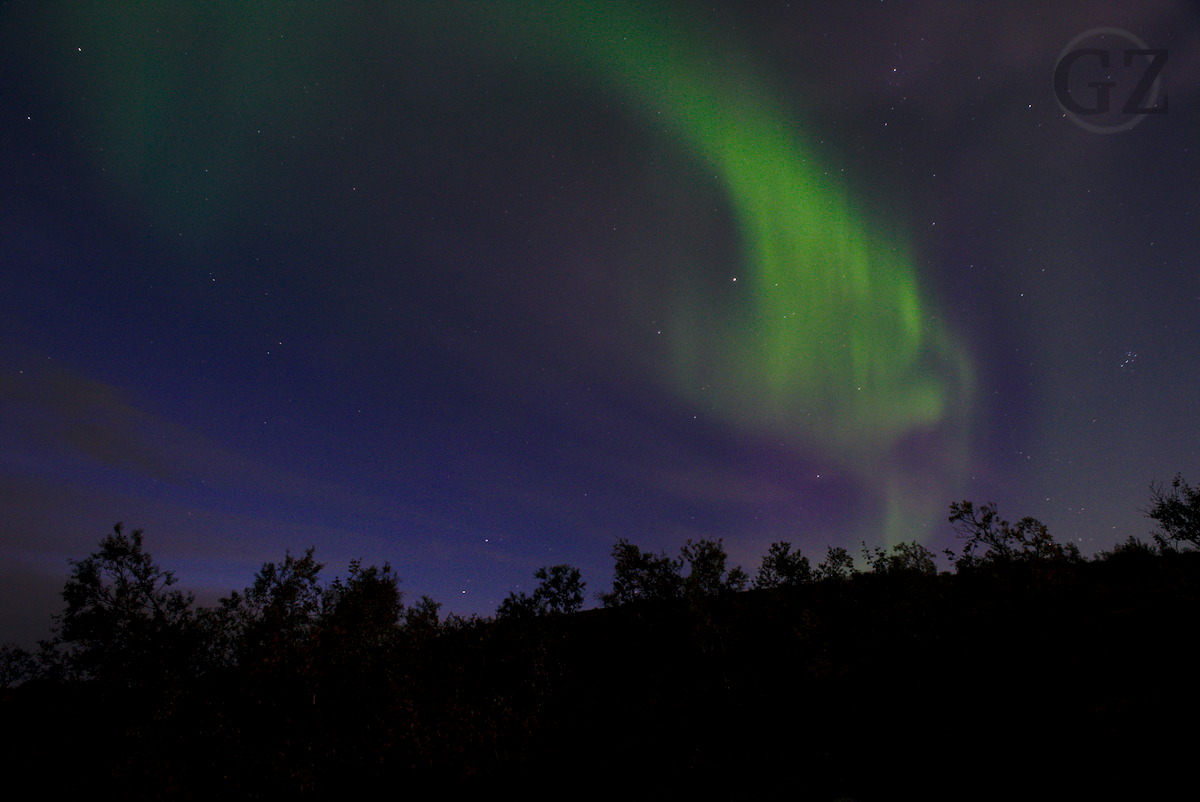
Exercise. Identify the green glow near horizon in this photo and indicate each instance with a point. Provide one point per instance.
(826, 340)
(835, 346)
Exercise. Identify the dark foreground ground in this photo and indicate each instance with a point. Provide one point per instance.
(1034, 682)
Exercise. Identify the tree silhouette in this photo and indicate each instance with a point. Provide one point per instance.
(908, 556)
(838, 564)
(123, 622)
(517, 605)
(991, 539)
(17, 666)
(423, 618)
(1177, 513)
(272, 619)
(360, 617)
(642, 575)
(560, 590)
(782, 567)
(707, 574)
(1130, 549)
(343, 687)
(265, 648)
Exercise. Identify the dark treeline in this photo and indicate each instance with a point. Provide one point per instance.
(1027, 670)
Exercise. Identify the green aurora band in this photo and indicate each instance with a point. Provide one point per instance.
(831, 347)
(835, 347)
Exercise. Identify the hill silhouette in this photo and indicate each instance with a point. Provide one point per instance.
(1054, 677)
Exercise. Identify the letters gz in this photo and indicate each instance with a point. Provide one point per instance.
(1062, 74)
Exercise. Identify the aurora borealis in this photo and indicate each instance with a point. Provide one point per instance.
(827, 342)
(475, 288)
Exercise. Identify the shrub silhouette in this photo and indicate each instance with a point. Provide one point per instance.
(1177, 513)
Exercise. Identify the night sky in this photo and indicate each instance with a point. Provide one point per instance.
(477, 288)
